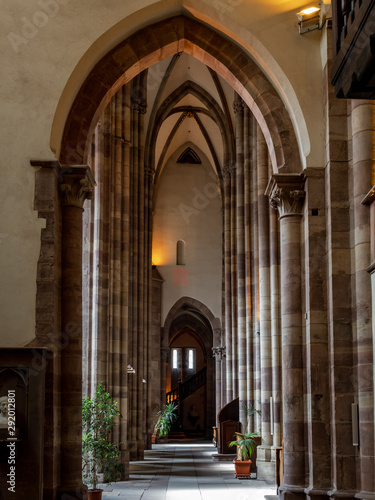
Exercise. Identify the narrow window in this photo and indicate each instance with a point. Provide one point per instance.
(174, 359)
(180, 254)
(191, 359)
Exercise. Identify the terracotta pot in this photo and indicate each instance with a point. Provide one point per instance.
(95, 494)
(242, 468)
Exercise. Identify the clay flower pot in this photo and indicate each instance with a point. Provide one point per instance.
(95, 494)
(242, 468)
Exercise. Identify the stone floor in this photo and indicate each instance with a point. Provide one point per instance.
(185, 471)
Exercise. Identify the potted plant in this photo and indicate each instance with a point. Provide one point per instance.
(99, 454)
(245, 446)
(166, 417)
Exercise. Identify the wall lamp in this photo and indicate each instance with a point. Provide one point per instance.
(308, 19)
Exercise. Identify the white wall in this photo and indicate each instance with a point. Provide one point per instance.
(188, 207)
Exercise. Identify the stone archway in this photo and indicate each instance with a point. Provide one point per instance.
(128, 60)
(164, 39)
(191, 315)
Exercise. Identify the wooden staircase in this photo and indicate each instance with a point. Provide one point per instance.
(187, 388)
(180, 393)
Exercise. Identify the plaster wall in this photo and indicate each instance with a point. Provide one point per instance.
(47, 48)
(188, 207)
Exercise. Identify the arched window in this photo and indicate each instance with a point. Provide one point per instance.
(180, 253)
(174, 359)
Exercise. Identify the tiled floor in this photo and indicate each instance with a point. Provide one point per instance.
(185, 471)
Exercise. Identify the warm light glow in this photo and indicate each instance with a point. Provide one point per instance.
(309, 11)
(157, 259)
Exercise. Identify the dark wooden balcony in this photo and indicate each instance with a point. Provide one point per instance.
(353, 70)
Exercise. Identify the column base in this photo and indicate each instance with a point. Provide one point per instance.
(78, 492)
(125, 463)
(289, 492)
(316, 494)
(348, 494)
(136, 450)
(265, 464)
(365, 495)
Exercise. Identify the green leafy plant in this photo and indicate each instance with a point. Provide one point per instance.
(98, 452)
(166, 417)
(245, 444)
(250, 410)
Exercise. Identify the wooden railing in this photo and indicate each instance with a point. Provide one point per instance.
(186, 388)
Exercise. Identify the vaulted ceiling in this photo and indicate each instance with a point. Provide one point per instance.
(188, 103)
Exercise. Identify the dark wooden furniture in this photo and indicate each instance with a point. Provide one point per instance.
(228, 424)
(353, 70)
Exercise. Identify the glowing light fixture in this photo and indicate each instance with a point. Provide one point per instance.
(310, 10)
(308, 19)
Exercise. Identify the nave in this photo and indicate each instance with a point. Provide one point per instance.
(184, 470)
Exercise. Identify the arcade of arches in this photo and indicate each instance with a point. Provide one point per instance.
(207, 246)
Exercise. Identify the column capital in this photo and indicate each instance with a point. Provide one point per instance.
(238, 105)
(286, 193)
(218, 353)
(139, 105)
(76, 186)
(149, 172)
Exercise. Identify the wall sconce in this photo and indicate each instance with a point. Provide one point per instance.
(355, 428)
(308, 19)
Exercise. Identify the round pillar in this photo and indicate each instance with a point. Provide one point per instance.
(76, 188)
(287, 196)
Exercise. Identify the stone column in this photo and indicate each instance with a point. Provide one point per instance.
(275, 328)
(248, 165)
(339, 290)
(369, 200)
(218, 353)
(264, 466)
(233, 256)
(228, 283)
(363, 147)
(317, 361)
(255, 332)
(149, 176)
(77, 185)
(124, 273)
(287, 195)
(238, 107)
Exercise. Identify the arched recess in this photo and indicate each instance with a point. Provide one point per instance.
(188, 304)
(164, 39)
(190, 315)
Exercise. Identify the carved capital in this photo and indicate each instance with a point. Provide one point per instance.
(77, 184)
(139, 105)
(149, 172)
(238, 105)
(218, 353)
(286, 194)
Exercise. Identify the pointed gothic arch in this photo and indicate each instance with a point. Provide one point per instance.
(164, 39)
